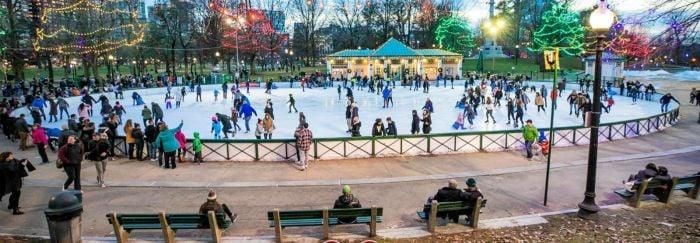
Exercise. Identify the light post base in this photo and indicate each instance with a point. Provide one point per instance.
(588, 209)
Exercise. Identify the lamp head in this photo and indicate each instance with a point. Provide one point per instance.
(601, 18)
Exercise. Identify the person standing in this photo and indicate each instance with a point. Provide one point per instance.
(137, 134)
(156, 112)
(168, 143)
(539, 102)
(304, 139)
(415, 123)
(41, 142)
(248, 112)
(182, 141)
(268, 125)
(130, 141)
(348, 116)
(63, 106)
(530, 135)
(199, 93)
(71, 155)
(519, 113)
(146, 114)
(53, 110)
(22, 129)
(427, 121)
(489, 109)
(98, 151)
(197, 147)
(151, 135)
(11, 173)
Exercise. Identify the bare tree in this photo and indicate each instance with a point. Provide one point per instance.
(348, 15)
(310, 13)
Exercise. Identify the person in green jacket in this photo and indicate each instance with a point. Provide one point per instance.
(166, 139)
(530, 135)
(146, 114)
(197, 147)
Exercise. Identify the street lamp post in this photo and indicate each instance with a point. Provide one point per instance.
(600, 20)
(517, 55)
(494, 28)
(110, 59)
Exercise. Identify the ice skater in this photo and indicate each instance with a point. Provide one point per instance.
(291, 103)
(216, 127)
(199, 93)
(216, 95)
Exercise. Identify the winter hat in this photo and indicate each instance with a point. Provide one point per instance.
(471, 182)
(214, 118)
(212, 195)
(346, 190)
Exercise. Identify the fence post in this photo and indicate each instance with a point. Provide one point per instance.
(373, 141)
(257, 155)
(610, 132)
(315, 149)
(428, 149)
(481, 142)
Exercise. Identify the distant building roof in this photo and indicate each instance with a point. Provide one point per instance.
(393, 48)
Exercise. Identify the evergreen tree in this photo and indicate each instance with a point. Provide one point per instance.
(453, 34)
(560, 28)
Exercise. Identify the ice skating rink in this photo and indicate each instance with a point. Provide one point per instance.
(325, 113)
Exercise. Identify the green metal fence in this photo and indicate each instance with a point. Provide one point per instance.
(409, 145)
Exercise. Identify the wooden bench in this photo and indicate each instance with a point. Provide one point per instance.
(169, 223)
(326, 217)
(451, 207)
(687, 183)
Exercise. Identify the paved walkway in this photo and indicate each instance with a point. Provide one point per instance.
(514, 186)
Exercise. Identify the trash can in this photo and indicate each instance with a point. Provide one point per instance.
(64, 217)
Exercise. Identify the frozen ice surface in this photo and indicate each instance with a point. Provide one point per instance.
(325, 113)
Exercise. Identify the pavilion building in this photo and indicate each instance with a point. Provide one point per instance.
(394, 59)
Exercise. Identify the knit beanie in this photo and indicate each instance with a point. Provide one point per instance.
(346, 190)
(471, 182)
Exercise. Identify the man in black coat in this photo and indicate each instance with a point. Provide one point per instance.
(449, 194)
(151, 134)
(11, 173)
(225, 123)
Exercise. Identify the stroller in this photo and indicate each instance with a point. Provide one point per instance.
(53, 134)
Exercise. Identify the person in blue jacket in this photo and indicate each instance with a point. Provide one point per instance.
(428, 105)
(216, 127)
(169, 144)
(385, 95)
(40, 103)
(247, 111)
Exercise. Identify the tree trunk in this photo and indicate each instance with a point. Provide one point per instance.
(49, 66)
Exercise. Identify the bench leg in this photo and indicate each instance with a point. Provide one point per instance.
(669, 191)
(121, 234)
(214, 226)
(278, 226)
(326, 225)
(432, 218)
(168, 232)
(373, 222)
(475, 214)
(693, 193)
(637, 197)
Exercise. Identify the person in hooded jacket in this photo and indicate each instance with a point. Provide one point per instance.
(157, 112)
(41, 141)
(378, 128)
(182, 140)
(390, 127)
(167, 141)
(415, 123)
(268, 125)
(151, 133)
(216, 127)
(633, 182)
(146, 114)
(347, 200)
(197, 148)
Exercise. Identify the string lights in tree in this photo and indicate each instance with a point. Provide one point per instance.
(248, 29)
(631, 44)
(89, 27)
(560, 28)
(454, 34)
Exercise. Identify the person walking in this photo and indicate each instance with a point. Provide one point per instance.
(63, 106)
(304, 139)
(98, 151)
(41, 142)
(11, 173)
(530, 135)
(168, 143)
(130, 141)
(268, 125)
(71, 155)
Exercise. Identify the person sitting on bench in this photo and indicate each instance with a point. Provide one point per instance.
(665, 180)
(212, 205)
(449, 194)
(634, 181)
(347, 200)
(470, 194)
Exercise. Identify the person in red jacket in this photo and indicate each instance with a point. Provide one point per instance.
(41, 141)
(182, 140)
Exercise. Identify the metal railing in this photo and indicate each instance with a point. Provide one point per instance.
(409, 145)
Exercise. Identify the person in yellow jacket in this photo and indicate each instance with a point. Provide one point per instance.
(128, 127)
(268, 125)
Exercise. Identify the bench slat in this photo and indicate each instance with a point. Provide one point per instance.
(624, 193)
(684, 186)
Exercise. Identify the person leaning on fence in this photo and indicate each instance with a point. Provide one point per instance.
(212, 205)
(304, 140)
(347, 200)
